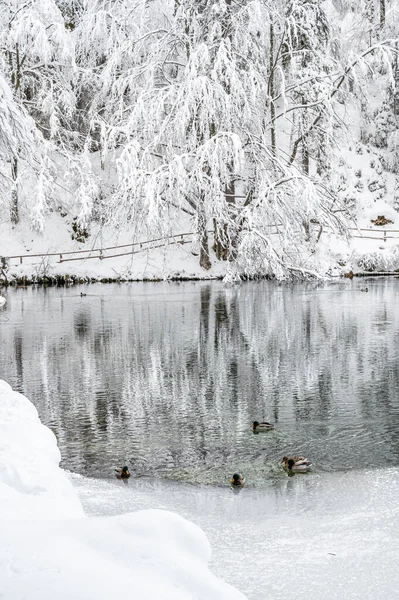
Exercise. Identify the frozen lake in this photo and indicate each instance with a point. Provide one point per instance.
(168, 378)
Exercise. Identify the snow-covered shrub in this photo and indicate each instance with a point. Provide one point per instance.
(385, 260)
(377, 182)
(359, 148)
(384, 124)
(344, 184)
(79, 231)
(359, 185)
(372, 262)
(367, 127)
(390, 160)
(396, 195)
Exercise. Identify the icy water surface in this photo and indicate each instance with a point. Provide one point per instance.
(329, 536)
(168, 378)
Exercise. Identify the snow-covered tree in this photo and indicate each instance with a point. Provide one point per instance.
(222, 115)
(183, 103)
(16, 129)
(37, 60)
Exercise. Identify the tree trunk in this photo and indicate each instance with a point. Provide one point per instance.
(205, 261)
(224, 244)
(218, 246)
(14, 192)
(305, 120)
(16, 81)
(382, 14)
(16, 74)
(396, 78)
(305, 156)
(306, 226)
(272, 91)
(222, 241)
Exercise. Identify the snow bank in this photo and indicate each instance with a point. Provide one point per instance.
(31, 483)
(181, 261)
(48, 549)
(148, 555)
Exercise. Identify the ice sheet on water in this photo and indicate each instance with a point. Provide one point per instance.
(332, 536)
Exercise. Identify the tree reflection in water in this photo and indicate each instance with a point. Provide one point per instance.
(169, 377)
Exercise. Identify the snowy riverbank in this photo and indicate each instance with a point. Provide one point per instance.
(177, 260)
(49, 548)
(364, 251)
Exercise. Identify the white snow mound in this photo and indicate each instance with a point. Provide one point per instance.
(49, 549)
(31, 483)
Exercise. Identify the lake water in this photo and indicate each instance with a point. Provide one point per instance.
(168, 378)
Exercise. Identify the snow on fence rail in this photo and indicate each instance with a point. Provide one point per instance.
(384, 233)
(180, 239)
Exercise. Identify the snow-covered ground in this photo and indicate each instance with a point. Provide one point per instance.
(50, 549)
(174, 260)
(180, 261)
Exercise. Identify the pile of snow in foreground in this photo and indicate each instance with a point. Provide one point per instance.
(48, 549)
(31, 483)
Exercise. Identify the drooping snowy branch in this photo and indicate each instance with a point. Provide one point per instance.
(225, 115)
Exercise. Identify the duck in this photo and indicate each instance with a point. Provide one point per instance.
(237, 480)
(122, 473)
(264, 426)
(296, 463)
(364, 290)
(82, 294)
(2, 301)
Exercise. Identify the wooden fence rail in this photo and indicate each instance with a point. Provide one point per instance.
(178, 239)
(141, 249)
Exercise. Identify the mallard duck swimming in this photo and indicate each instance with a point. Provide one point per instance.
(122, 472)
(296, 463)
(237, 479)
(264, 426)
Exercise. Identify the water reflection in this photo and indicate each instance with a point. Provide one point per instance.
(169, 377)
